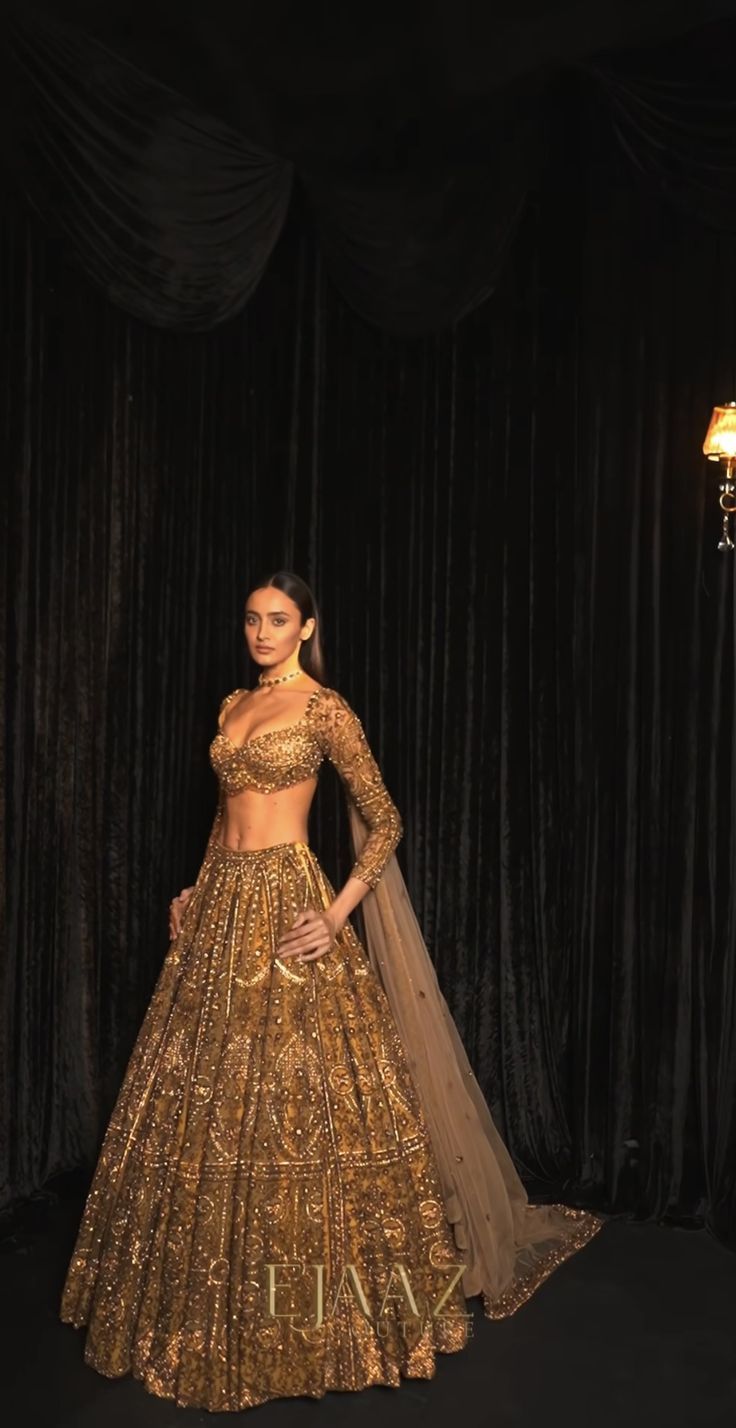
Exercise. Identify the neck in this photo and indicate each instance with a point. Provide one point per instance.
(278, 671)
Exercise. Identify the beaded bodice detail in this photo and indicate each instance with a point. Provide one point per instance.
(275, 759)
(279, 758)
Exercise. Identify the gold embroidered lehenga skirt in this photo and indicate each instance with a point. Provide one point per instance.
(265, 1218)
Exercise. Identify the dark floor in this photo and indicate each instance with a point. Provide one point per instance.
(639, 1328)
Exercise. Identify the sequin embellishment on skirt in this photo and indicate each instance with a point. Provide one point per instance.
(267, 1117)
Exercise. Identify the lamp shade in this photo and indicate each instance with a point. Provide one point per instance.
(720, 438)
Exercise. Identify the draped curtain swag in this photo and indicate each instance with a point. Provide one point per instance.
(175, 214)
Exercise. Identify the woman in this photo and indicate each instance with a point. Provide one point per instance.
(300, 1183)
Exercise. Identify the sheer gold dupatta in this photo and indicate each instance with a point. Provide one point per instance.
(507, 1245)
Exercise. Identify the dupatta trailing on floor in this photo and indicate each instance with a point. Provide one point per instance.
(509, 1246)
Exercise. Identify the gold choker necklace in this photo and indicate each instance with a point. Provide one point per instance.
(280, 678)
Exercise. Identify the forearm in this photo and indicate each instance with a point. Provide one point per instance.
(348, 898)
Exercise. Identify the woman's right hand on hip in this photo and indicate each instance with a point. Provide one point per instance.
(176, 910)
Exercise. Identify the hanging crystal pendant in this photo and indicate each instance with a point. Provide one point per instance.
(725, 543)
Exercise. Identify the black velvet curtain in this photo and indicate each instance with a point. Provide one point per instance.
(513, 538)
(175, 213)
(169, 210)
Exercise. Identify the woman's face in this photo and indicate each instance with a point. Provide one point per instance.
(273, 626)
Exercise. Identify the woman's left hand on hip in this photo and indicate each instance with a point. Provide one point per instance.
(311, 935)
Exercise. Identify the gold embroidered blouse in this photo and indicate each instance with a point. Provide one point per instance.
(279, 758)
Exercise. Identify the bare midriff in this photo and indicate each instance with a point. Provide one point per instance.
(252, 820)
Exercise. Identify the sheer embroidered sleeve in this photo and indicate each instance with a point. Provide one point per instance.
(343, 740)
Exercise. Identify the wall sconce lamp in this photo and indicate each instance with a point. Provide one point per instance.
(720, 445)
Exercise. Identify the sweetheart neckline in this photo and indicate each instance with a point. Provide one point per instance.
(255, 738)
